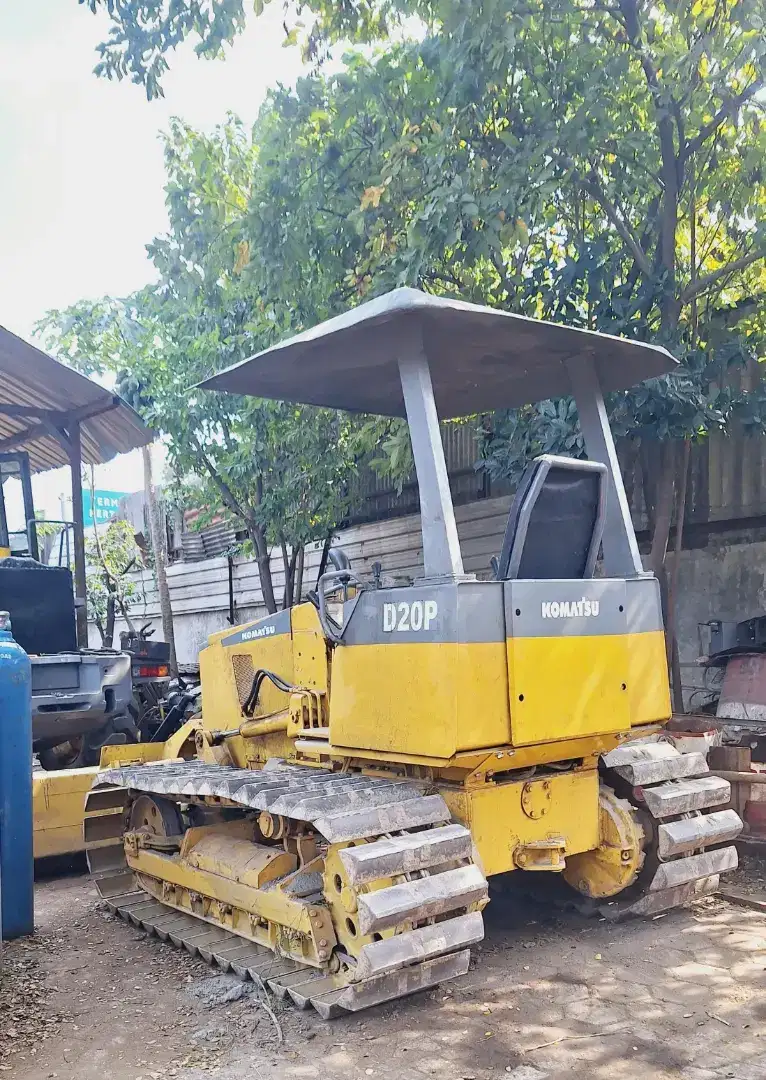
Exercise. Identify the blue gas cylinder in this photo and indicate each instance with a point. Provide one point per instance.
(16, 836)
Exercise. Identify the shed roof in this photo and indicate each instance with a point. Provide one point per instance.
(37, 393)
(481, 359)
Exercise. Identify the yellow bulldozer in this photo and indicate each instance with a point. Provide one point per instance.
(367, 760)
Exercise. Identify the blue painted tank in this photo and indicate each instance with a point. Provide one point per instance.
(16, 836)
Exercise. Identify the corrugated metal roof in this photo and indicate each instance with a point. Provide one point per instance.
(31, 378)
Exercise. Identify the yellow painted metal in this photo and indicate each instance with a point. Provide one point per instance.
(500, 826)
(237, 858)
(309, 649)
(648, 688)
(430, 699)
(113, 757)
(253, 729)
(342, 899)
(614, 865)
(268, 915)
(567, 686)
(493, 759)
(271, 904)
(548, 855)
(58, 799)
(5, 553)
(227, 674)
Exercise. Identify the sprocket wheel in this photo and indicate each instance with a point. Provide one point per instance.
(615, 865)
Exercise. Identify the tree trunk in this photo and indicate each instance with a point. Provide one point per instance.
(263, 561)
(287, 591)
(107, 635)
(298, 584)
(160, 549)
(290, 561)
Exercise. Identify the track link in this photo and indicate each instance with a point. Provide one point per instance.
(689, 834)
(434, 875)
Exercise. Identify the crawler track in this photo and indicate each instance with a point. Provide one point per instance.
(688, 827)
(432, 907)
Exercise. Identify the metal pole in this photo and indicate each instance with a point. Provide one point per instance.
(441, 548)
(619, 545)
(80, 586)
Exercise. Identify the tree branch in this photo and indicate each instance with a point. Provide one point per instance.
(728, 109)
(592, 185)
(703, 284)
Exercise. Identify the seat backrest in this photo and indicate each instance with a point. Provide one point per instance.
(556, 521)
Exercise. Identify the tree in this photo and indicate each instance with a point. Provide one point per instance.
(599, 164)
(111, 555)
(94, 340)
(280, 471)
(143, 32)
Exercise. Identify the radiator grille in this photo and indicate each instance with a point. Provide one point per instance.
(242, 665)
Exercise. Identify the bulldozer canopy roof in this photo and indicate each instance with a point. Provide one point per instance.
(481, 359)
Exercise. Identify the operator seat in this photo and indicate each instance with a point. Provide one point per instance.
(556, 521)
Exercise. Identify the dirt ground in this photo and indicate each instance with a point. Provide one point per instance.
(550, 994)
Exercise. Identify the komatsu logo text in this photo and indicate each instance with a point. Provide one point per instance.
(258, 632)
(570, 609)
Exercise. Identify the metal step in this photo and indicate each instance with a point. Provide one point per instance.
(422, 898)
(703, 830)
(683, 796)
(427, 942)
(405, 854)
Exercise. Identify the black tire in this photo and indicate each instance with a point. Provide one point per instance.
(85, 750)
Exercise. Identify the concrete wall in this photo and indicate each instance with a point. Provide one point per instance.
(726, 579)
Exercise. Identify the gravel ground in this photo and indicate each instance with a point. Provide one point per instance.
(550, 994)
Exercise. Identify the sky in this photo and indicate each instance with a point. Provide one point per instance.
(82, 176)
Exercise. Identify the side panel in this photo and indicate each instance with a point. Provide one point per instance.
(567, 659)
(58, 799)
(499, 825)
(229, 663)
(648, 687)
(422, 671)
(396, 698)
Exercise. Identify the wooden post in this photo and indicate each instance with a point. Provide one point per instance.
(74, 449)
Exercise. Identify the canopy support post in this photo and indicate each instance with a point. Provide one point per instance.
(619, 544)
(441, 546)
